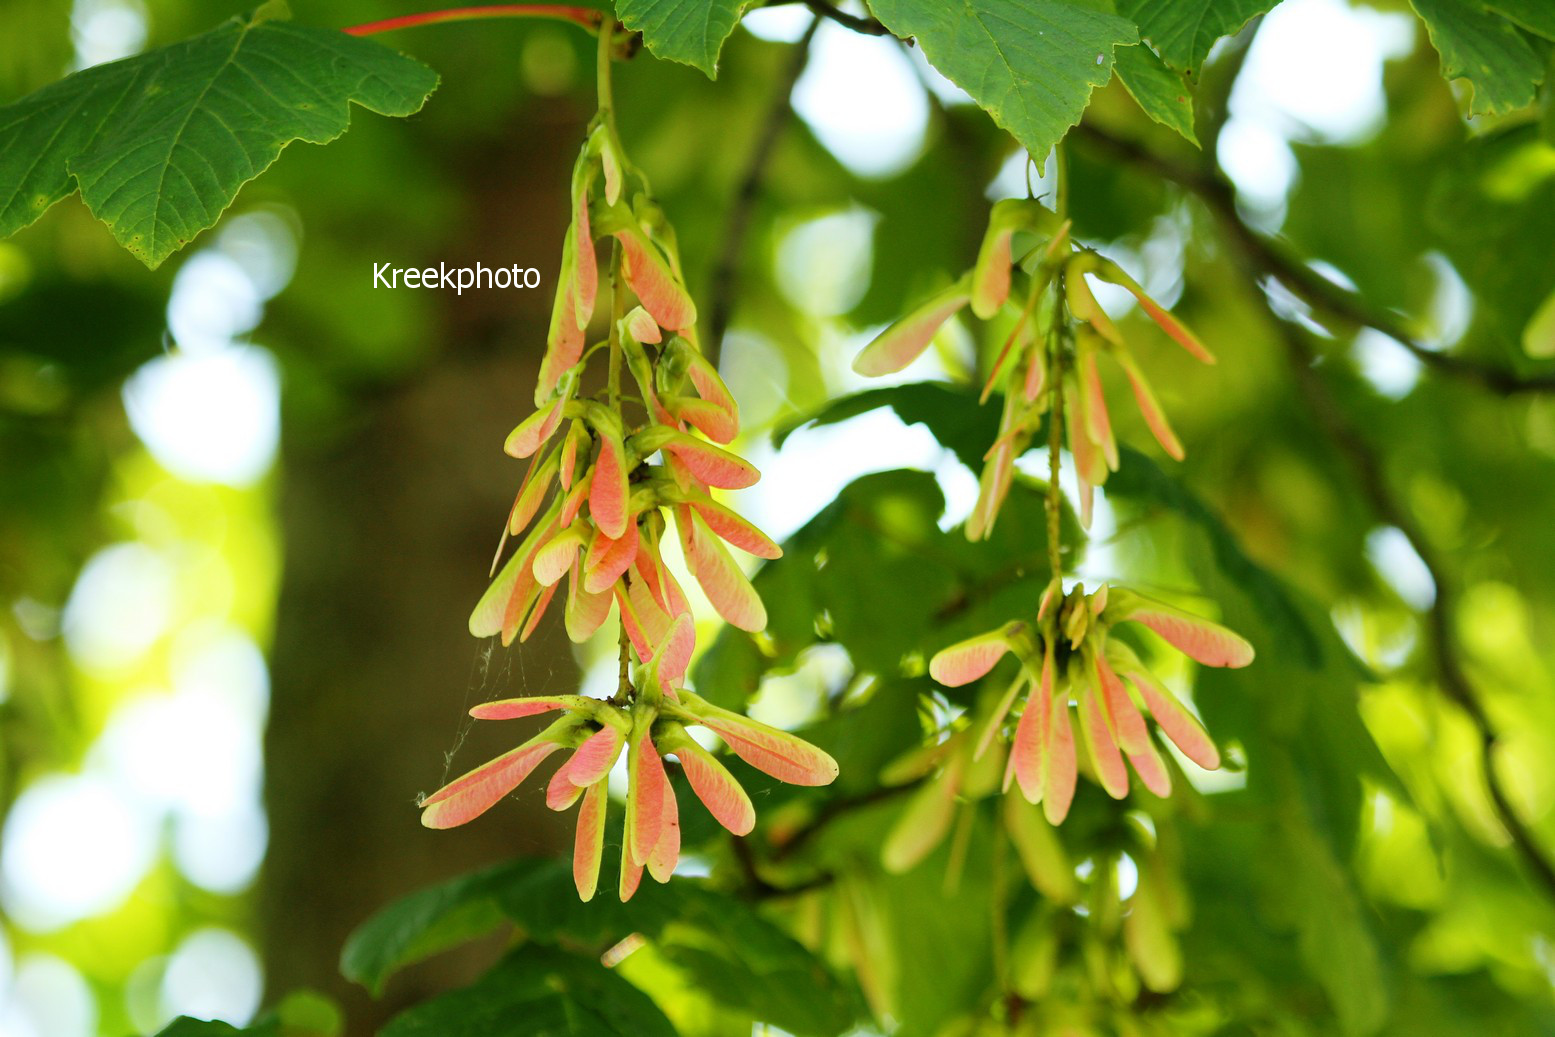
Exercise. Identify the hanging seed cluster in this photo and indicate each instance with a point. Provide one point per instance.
(1068, 662)
(1050, 368)
(649, 727)
(594, 505)
(1050, 360)
(609, 473)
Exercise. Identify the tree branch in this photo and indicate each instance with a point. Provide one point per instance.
(758, 888)
(1441, 633)
(1271, 258)
(836, 809)
(725, 273)
(867, 26)
(1264, 257)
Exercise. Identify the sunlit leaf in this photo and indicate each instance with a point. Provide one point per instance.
(1031, 64)
(160, 143)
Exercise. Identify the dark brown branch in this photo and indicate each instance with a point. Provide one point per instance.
(867, 26)
(1264, 257)
(1271, 258)
(758, 888)
(1441, 633)
(726, 273)
(836, 809)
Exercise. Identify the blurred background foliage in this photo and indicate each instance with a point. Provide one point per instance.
(248, 500)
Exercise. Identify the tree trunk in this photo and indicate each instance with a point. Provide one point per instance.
(387, 535)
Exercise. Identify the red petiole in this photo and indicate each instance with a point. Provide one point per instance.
(588, 18)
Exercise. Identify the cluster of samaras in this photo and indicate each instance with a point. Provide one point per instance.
(591, 512)
(1049, 367)
(1067, 659)
(602, 487)
(592, 507)
(1059, 333)
(650, 727)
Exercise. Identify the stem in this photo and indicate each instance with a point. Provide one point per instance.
(867, 26)
(1339, 304)
(1441, 630)
(586, 18)
(624, 675)
(602, 77)
(1055, 434)
(1000, 905)
(607, 113)
(1055, 372)
(603, 87)
(615, 327)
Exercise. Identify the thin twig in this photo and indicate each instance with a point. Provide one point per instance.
(1264, 257)
(606, 93)
(758, 888)
(867, 26)
(1055, 433)
(726, 272)
(999, 909)
(836, 809)
(1441, 631)
(624, 689)
(1271, 258)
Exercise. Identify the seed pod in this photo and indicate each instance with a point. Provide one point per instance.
(903, 342)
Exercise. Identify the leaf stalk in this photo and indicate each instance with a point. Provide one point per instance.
(586, 18)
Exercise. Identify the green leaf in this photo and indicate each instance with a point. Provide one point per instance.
(742, 961)
(187, 1026)
(1490, 52)
(1537, 16)
(1539, 333)
(1162, 94)
(1031, 64)
(955, 418)
(691, 32)
(1140, 481)
(948, 412)
(1335, 940)
(874, 573)
(302, 1013)
(923, 940)
(418, 926)
(1183, 31)
(538, 992)
(159, 143)
(729, 950)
